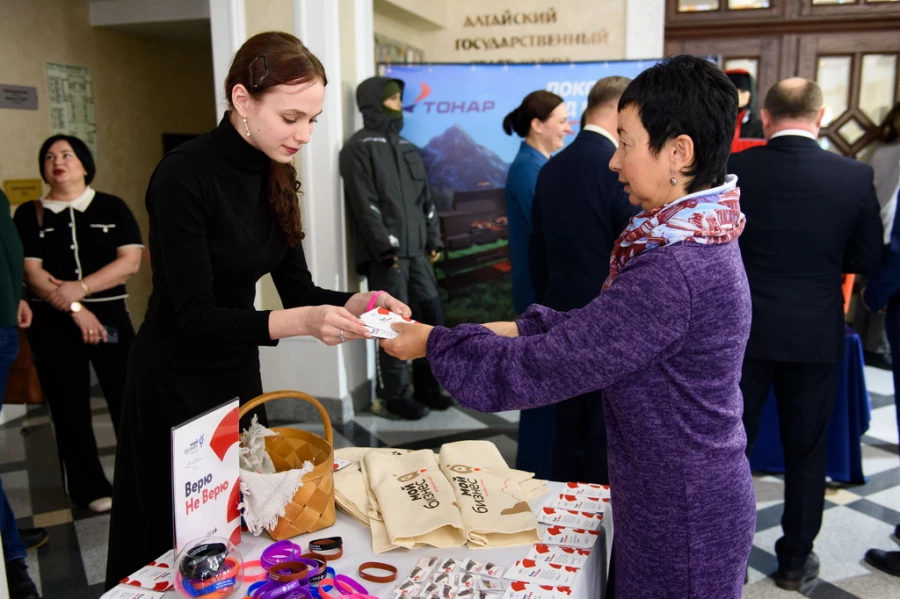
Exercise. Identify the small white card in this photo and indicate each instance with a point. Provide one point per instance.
(151, 578)
(565, 556)
(531, 590)
(570, 537)
(587, 489)
(570, 518)
(529, 570)
(340, 463)
(580, 503)
(379, 321)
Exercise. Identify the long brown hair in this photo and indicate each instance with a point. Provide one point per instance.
(264, 61)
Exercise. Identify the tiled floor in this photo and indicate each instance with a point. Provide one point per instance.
(72, 564)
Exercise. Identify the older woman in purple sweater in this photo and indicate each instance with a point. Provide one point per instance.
(664, 340)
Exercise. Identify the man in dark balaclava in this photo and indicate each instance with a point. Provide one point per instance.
(397, 234)
(748, 124)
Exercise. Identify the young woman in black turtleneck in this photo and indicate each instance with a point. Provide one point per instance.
(223, 212)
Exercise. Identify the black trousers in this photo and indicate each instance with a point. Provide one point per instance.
(413, 282)
(579, 446)
(63, 363)
(804, 393)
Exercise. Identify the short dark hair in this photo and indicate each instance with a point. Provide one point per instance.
(82, 152)
(606, 90)
(686, 95)
(536, 105)
(787, 101)
(889, 129)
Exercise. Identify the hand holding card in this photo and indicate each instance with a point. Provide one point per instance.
(380, 320)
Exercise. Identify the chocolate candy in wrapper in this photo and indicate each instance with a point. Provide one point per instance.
(492, 570)
(423, 569)
(407, 589)
(439, 591)
(447, 565)
(442, 578)
(475, 594)
(461, 578)
(489, 584)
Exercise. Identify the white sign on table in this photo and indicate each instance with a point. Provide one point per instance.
(206, 477)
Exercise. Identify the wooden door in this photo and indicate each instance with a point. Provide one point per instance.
(859, 74)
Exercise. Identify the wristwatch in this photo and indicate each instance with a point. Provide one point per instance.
(75, 307)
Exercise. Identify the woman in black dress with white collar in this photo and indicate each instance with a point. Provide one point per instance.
(223, 212)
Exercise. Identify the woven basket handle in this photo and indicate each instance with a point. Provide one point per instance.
(258, 401)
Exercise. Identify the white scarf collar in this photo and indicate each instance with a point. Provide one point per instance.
(80, 203)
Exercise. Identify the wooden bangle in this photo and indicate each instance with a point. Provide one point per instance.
(377, 566)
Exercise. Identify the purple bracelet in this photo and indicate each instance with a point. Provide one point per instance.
(313, 568)
(282, 551)
(295, 588)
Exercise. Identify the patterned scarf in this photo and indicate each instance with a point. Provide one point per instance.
(708, 217)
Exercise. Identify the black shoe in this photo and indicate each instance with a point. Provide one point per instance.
(19, 582)
(436, 401)
(407, 408)
(886, 561)
(793, 580)
(882, 361)
(33, 537)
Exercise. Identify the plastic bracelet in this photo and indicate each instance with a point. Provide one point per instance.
(319, 571)
(326, 544)
(372, 300)
(261, 573)
(282, 551)
(203, 561)
(335, 554)
(298, 569)
(314, 588)
(294, 587)
(347, 585)
(220, 582)
(256, 585)
(378, 566)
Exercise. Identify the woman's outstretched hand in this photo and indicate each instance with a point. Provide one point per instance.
(411, 343)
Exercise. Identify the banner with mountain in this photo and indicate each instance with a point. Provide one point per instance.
(454, 113)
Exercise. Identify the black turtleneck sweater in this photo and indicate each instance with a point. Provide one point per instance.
(212, 236)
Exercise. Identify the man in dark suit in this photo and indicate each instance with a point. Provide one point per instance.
(811, 216)
(578, 212)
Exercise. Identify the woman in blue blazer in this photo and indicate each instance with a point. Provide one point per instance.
(541, 120)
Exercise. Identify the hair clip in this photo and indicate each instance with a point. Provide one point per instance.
(258, 84)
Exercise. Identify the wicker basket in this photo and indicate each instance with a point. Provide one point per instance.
(313, 505)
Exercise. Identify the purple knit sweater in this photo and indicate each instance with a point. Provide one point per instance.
(665, 342)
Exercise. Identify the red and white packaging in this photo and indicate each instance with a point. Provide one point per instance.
(529, 570)
(565, 556)
(570, 518)
(580, 503)
(165, 560)
(570, 537)
(531, 590)
(587, 490)
(380, 320)
(151, 578)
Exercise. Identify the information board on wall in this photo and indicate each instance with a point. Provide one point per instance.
(71, 96)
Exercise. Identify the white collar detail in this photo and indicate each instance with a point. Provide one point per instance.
(80, 203)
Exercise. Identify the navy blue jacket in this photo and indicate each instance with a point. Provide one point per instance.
(885, 283)
(579, 210)
(811, 216)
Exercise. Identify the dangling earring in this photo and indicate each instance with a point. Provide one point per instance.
(673, 180)
(247, 129)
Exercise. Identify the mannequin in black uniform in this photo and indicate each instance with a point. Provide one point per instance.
(748, 126)
(223, 212)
